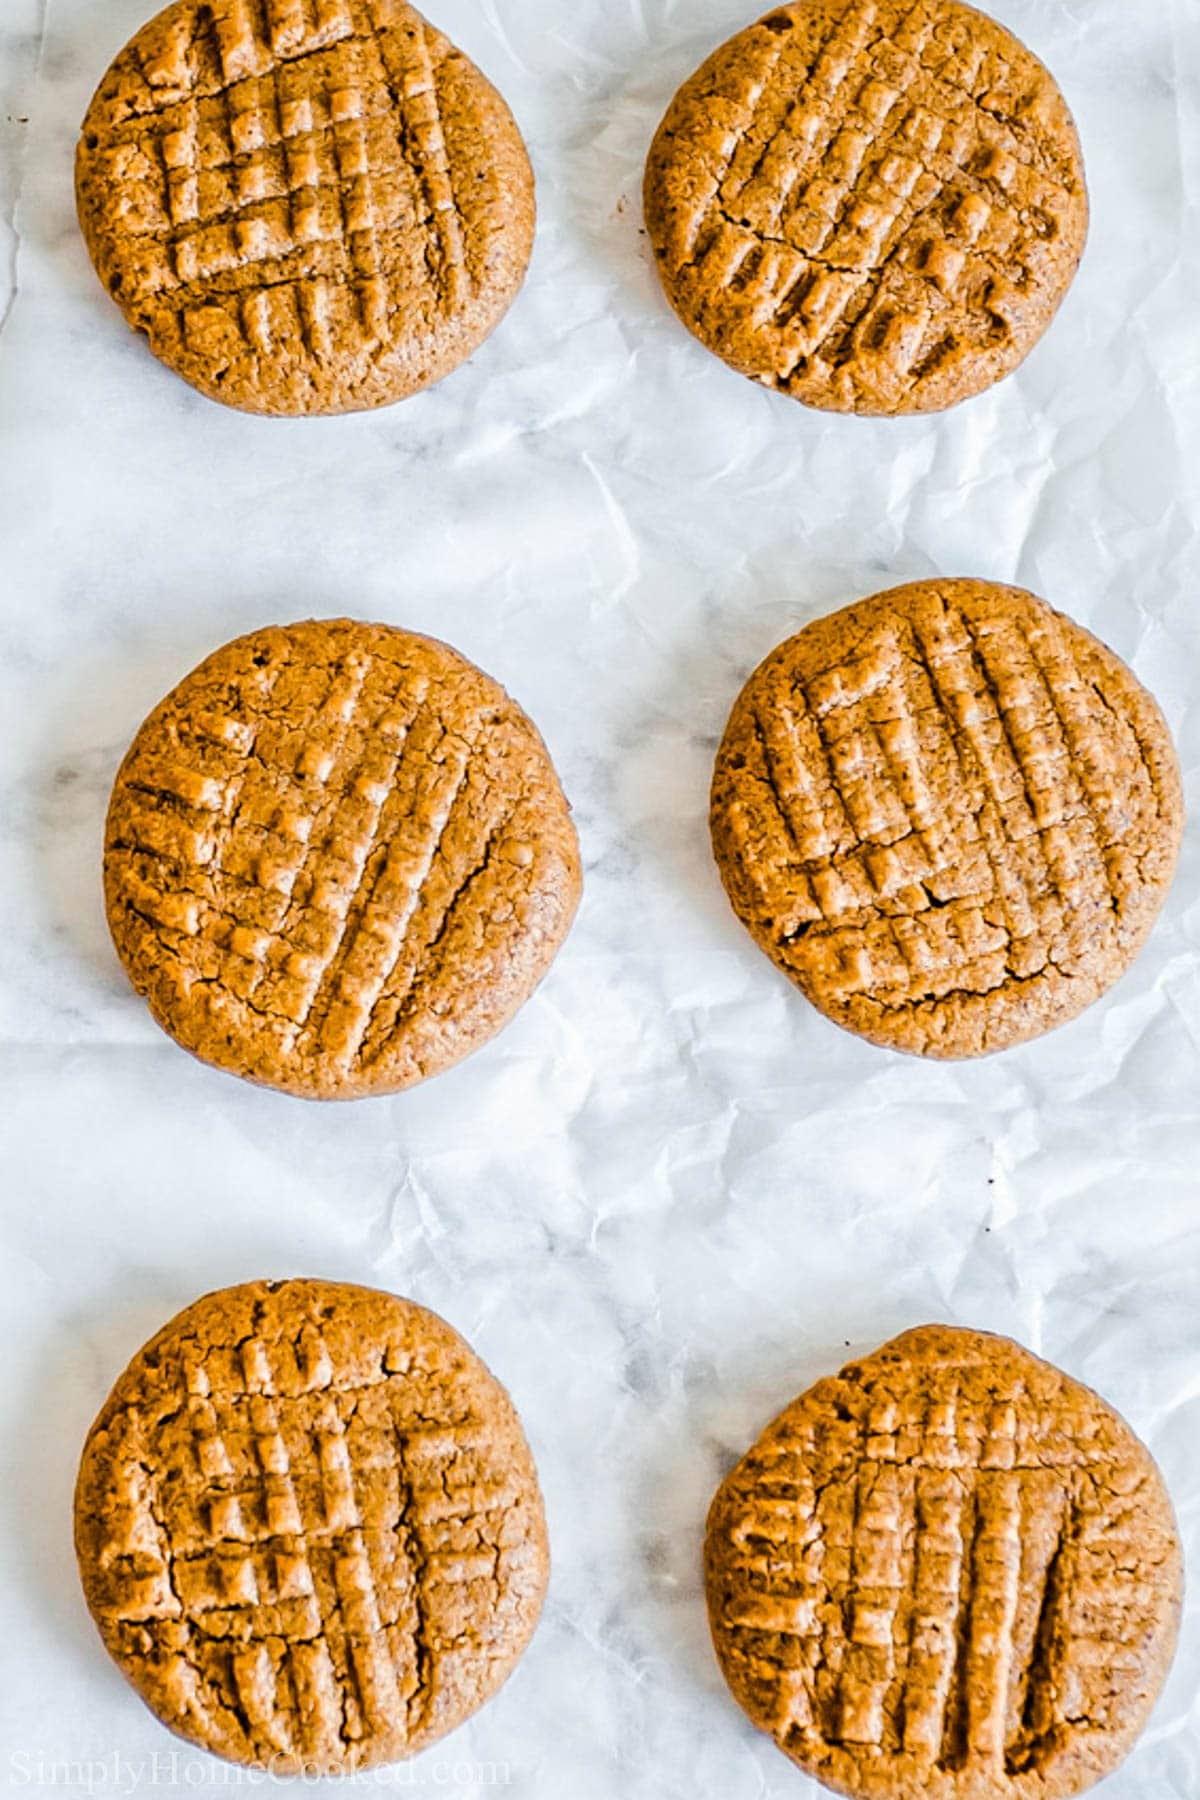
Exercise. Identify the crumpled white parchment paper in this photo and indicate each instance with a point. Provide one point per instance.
(671, 1195)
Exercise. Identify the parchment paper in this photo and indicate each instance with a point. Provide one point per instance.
(671, 1195)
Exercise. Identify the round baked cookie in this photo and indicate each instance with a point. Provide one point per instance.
(337, 859)
(309, 1527)
(949, 814)
(875, 206)
(308, 206)
(949, 1571)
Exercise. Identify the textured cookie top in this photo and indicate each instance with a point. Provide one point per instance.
(949, 814)
(949, 1571)
(309, 1527)
(873, 205)
(308, 206)
(337, 859)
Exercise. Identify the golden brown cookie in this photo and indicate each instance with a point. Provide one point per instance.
(337, 859)
(949, 1571)
(949, 814)
(308, 206)
(309, 1527)
(875, 206)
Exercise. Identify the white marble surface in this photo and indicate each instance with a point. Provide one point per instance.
(670, 1195)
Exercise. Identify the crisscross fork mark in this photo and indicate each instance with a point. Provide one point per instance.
(776, 791)
(714, 182)
(902, 231)
(316, 1018)
(899, 741)
(860, 840)
(974, 830)
(1075, 757)
(821, 796)
(881, 145)
(278, 29)
(252, 1677)
(940, 1501)
(220, 253)
(219, 821)
(416, 83)
(995, 1595)
(984, 761)
(826, 747)
(367, 1651)
(229, 812)
(1024, 1596)
(838, 107)
(342, 141)
(849, 34)
(319, 847)
(414, 1550)
(891, 793)
(910, 350)
(332, 14)
(320, 143)
(310, 305)
(876, 1558)
(367, 1658)
(789, 1607)
(871, 284)
(317, 844)
(422, 966)
(1046, 1515)
(1022, 766)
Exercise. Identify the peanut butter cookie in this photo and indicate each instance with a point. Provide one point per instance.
(949, 1571)
(875, 206)
(337, 859)
(308, 206)
(309, 1527)
(949, 814)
